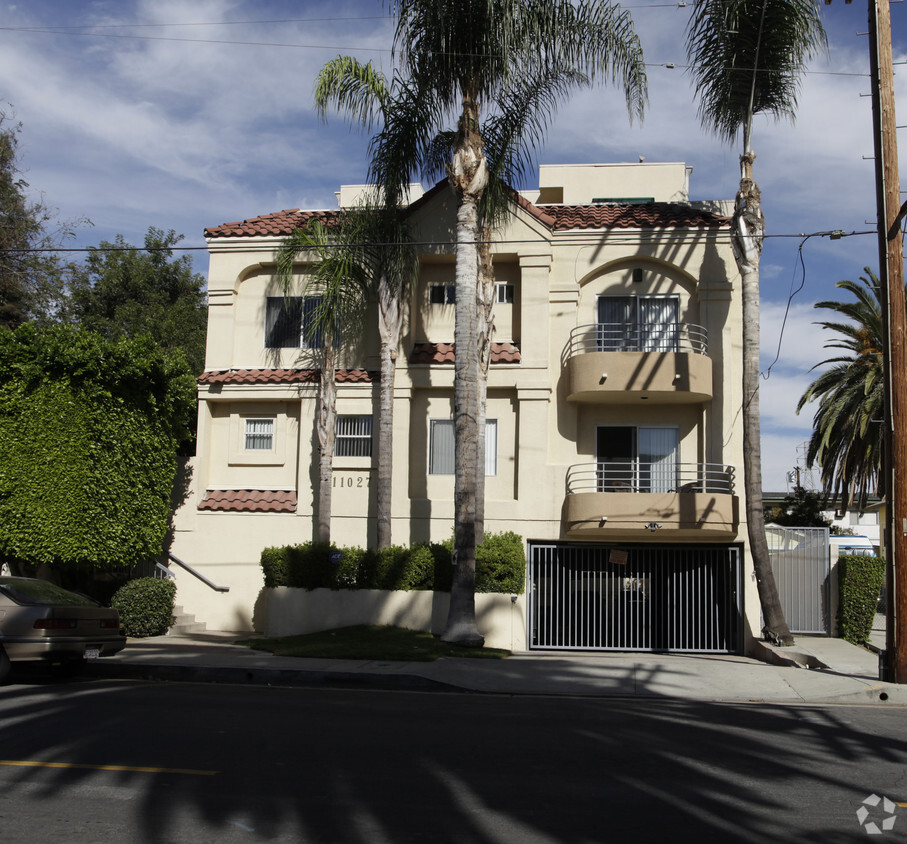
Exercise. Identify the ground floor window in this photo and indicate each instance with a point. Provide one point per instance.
(441, 447)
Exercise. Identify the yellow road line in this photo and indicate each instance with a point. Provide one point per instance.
(129, 768)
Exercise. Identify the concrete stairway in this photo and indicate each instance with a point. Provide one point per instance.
(184, 622)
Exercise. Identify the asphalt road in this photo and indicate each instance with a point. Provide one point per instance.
(127, 761)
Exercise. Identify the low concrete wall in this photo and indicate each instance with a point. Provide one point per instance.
(290, 612)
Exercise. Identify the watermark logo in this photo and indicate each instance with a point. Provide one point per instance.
(877, 814)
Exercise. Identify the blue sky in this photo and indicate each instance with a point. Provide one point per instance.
(185, 115)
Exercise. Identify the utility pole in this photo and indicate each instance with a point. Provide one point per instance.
(894, 320)
(889, 214)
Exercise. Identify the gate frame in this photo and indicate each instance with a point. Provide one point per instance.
(737, 549)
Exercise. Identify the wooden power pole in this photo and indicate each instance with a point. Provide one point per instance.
(889, 214)
(891, 276)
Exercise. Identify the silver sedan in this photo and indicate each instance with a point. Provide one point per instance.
(41, 621)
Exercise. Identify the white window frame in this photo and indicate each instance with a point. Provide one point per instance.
(503, 293)
(352, 431)
(266, 435)
(441, 455)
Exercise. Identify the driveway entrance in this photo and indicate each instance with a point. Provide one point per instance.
(682, 599)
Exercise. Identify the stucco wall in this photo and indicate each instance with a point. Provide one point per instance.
(501, 620)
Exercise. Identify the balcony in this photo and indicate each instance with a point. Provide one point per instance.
(648, 502)
(613, 363)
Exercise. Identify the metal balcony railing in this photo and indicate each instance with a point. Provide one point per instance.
(664, 476)
(654, 337)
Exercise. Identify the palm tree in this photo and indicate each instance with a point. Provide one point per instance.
(847, 436)
(376, 239)
(515, 58)
(746, 58)
(336, 294)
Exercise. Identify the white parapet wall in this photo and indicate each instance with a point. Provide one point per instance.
(501, 618)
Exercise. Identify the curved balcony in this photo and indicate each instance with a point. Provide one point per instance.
(650, 501)
(660, 362)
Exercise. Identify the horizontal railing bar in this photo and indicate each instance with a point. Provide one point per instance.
(653, 337)
(638, 476)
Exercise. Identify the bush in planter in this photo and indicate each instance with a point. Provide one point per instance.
(145, 606)
(500, 564)
(860, 581)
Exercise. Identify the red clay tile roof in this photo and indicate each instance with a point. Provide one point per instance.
(651, 215)
(278, 224)
(249, 500)
(283, 376)
(444, 353)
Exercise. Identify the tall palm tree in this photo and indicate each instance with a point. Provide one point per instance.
(847, 437)
(456, 58)
(376, 239)
(336, 288)
(746, 58)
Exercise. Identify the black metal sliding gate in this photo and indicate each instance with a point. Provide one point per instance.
(679, 599)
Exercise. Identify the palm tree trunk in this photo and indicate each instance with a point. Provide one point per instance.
(484, 330)
(468, 176)
(390, 320)
(326, 428)
(749, 231)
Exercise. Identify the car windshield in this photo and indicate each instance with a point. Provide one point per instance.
(41, 593)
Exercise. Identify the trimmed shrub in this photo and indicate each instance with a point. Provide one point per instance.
(145, 606)
(500, 566)
(860, 580)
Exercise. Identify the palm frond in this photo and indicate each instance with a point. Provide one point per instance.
(359, 91)
(846, 442)
(747, 57)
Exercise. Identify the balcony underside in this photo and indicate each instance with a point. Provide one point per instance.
(665, 377)
(630, 515)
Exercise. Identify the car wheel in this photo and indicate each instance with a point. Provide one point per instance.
(4, 664)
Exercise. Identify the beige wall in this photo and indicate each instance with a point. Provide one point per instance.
(557, 278)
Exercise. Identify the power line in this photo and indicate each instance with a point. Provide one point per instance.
(75, 31)
(591, 240)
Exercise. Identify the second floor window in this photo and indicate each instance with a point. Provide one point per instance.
(288, 322)
(259, 434)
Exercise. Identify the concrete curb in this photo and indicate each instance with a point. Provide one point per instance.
(267, 677)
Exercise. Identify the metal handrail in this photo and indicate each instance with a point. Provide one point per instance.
(650, 337)
(162, 572)
(637, 476)
(192, 571)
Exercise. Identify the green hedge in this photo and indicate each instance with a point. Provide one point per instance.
(145, 606)
(860, 580)
(500, 566)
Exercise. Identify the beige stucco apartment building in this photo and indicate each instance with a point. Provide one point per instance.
(614, 430)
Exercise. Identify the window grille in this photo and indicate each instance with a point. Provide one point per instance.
(259, 435)
(354, 436)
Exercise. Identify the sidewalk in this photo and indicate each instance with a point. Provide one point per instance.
(834, 672)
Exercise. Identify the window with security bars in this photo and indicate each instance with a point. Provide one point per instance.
(290, 322)
(259, 435)
(441, 447)
(354, 436)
